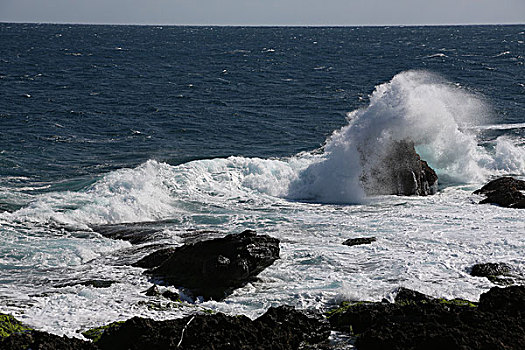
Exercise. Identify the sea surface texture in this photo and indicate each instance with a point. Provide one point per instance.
(185, 130)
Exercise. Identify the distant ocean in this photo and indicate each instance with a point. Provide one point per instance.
(190, 129)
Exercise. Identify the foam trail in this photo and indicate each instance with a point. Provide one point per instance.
(437, 116)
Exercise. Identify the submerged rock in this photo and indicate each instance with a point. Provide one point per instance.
(358, 241)
(504, 191)
(401, 172)
(279, 328)
(215, 267)
(421, 322)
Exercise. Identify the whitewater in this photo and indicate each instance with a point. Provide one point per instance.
(311, 201)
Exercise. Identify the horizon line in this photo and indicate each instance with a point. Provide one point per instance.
(264, 25)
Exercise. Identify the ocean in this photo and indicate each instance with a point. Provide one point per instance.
(185, 130)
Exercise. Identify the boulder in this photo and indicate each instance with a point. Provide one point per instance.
(504, 191)
(358, 241)
(400, 172)
(279, 328)
(498, 273)
(214, 268)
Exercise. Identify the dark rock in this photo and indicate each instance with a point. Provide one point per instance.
(490, 269)
(168, 294)
(37, 340)
(154, 291)
(214, 268)
(97, 283)
(437, 323)
(357, 241)
(509, 301)
(405, 295)
(504, 191)
(401, 172)
(135, 233)
(289, 327)
(88, 283)
(154, 259)
(278, 328)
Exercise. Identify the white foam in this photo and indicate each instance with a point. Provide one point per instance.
(417, 106)
(422, 243)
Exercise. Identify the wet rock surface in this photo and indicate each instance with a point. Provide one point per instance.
(498, 273)
(214, 268)
(279, 328)
(36, 340)
(360, 240)
(400, 172)
(415, 322)
(155, 259)
(504, 191)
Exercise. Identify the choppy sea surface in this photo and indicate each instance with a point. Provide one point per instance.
(193, 129)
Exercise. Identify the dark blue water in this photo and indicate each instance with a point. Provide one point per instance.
(99, 125)
(77, 101)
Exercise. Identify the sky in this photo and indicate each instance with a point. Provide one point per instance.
(265, 12)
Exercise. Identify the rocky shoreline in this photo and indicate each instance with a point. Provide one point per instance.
(213, 268)
(412, 321)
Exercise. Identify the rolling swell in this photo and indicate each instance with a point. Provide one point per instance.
(437, 116)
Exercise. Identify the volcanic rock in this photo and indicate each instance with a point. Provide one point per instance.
(358, 241)
(499, 273)
(279, 328)
(497, 323)
(213, 268)
(38, 340)
(504, 191)
(401, 172)
(154, 259)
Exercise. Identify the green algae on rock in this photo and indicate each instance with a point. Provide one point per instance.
(10, 325)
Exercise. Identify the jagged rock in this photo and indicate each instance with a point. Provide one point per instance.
(37, 340)
(428, 323)
(490, 269)
(498, 273)
(508, 301)
(405, 295)
(214, 268)
(135, 233)
(278, 328)
(504, 191)
(154, 259)
(88, 283)
(358, 241)
(401, 172)
(154, 291)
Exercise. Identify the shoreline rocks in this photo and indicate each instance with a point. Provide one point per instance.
(416, 321)
(413, 321)
(279, 328)
(505, 192)
(214, 268)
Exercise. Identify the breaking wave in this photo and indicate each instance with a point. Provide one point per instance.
(437, 116)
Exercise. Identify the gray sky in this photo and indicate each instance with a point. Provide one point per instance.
(265, 12)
